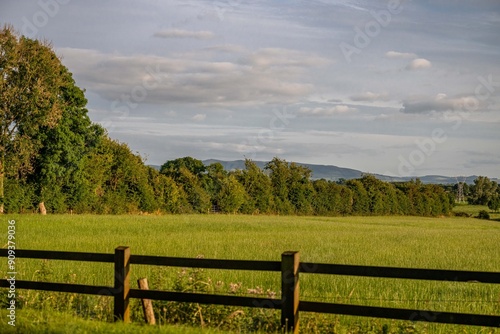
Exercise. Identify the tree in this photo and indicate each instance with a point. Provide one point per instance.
(483, 190)
(173, 168)
(190, 174)
(31, 77)
(58, 168)
(301, 190)
(494, 203)
(279, 175)
(232, 195)
(169, 196)
(258, 188)
(331, 198)
(215, 178)
(360, 198)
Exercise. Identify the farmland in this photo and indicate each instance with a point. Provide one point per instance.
(416, 242)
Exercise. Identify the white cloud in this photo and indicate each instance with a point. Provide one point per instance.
(178, 33)
(325, 111)
(440, 103)
(199, 117)
(400, 55)
(419, 63)
(170, 113)
(264, 76)
(370, 97)
(268, 57)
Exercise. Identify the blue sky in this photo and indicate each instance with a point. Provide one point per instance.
(395, 87)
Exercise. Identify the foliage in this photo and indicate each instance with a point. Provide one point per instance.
(31, 83)
(258, 187)
(483, 191)
(494, 203)
(240, 319)
(483, 214)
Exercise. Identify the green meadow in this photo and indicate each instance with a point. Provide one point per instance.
(415, 242)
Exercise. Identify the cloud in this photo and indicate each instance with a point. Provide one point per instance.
(228, 48)
(199, 117)
(258, 78)
(400, 55)
(440, 103)
(178, 33)
(370, 97)
(325, 111)
(419, 63)
(267, 57)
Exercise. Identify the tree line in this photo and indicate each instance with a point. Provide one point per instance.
(54, 158)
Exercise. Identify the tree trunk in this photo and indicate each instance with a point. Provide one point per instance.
(43, 211)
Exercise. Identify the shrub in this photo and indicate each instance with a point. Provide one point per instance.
(483, 214)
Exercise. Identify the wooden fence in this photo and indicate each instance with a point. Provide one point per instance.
(289, 304)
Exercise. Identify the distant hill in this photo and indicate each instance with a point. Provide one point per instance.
(334, 173)
(319, 171)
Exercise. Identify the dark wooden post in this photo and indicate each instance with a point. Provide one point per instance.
(122, 284)
(290, 291)
(147, 305)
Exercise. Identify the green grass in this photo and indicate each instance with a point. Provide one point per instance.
(415, 242)
(48, 322)
(473, 210)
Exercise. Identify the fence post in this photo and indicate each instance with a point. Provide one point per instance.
(122, 284)
(290, 291)
(147, 305)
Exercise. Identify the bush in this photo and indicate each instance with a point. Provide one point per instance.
(494, 204)
(483, 214)
(461, 214)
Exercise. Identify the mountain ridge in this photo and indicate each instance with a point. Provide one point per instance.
(335, 173)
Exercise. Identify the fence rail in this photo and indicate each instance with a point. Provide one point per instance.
(289, 304)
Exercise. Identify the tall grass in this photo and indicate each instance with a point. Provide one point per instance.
(415, 242)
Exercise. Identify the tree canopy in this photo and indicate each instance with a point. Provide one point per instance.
(32, 82)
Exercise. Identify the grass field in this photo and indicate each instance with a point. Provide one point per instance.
(416, 242)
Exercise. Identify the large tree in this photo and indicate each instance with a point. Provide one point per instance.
(31, 78)
(258, 188)
(190, 174)
(483, 190)
(58, 168)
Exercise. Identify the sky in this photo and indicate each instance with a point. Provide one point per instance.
(402, 88)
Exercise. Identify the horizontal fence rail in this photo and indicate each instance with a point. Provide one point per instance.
(59, 255)
(289, 304)
(206, 263)
(203, 298)
(408, 273)
(62, 287)
(402, 314)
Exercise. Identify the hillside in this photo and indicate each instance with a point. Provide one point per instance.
(334, 173)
